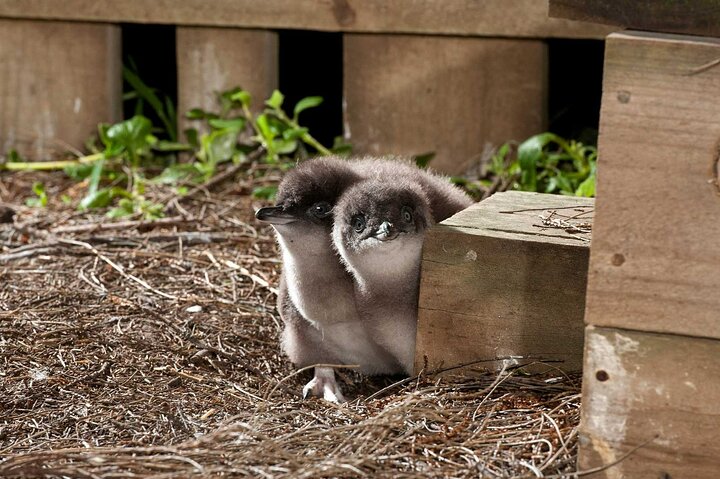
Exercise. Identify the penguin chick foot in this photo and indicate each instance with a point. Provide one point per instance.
(324, 385)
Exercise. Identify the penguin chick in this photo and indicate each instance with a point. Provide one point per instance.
(327, 327)
(303, 344)
(444, 198)
(378, 232)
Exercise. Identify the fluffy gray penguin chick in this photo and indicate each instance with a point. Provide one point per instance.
(444, 198)
(378, 231)
(317, 301)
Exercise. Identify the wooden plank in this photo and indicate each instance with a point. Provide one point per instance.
(656, 391)
(497, 284)
(457, 97)
(656, 248)
(58, 81)
(212, 60)
(699, 17)
(511, 18)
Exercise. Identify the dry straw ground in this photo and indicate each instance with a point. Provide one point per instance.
(151, 351)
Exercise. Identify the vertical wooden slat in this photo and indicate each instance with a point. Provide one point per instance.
(655, 258)
(652, 379)
(58, 80)
(211, 60)
(650, 405)
(458, 97)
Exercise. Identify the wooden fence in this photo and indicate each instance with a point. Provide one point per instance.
(452, 76)
(651, 386)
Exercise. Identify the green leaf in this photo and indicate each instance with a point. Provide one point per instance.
(237, 123)
(305, 103)
(79, 171)
(146, 93)
(172, 116)
(551, 185)
(41, 200)
(284, 147)
(163, 145)
(264, 192)
(341, 147)
(131, 135)
(95, 177)
(422, 161)
(243, 97)
(176, 173)
(564, 184)
(220, 145)
(294, 133)
(263, 124)
(587, 187)
(102, 197)
(199, 114)
(13, 156)
(152, 211)
(192, 137)
(276, 100)
(125, 207)
(96, 199)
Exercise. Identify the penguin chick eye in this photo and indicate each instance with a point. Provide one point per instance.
(358, 223)
(320, 209)
(407, 214)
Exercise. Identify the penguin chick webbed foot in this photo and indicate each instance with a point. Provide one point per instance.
(324, 385)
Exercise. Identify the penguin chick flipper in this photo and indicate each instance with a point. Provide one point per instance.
(324, 385)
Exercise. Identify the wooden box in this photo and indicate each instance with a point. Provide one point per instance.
(497, 282)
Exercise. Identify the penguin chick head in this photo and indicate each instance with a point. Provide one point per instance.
(381, 224)
(308, 193)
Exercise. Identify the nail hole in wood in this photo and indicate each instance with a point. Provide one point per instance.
(623, 96)
(602, 375)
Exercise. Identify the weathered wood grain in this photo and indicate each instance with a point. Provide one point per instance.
(656, 391)
(655, 258)
(498, 284)
(457, 97)
(698, 17)
(512, 18)
(211, 60)
(57, 82)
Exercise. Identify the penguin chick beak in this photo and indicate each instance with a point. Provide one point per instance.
(275, 215)
(386, 232)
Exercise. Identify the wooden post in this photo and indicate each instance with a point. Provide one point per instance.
(58, 81)
(657, 235)
(501, 284)
(457, 97)
(658, 393)
(211, 60)
(654, 265)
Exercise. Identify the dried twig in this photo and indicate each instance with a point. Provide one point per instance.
(123, 225)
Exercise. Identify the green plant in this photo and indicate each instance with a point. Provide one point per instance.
(549, 164)
(272, 129)
(142, 93)
(129, 156)
(234, 131)
(40, 199)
